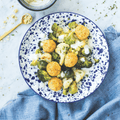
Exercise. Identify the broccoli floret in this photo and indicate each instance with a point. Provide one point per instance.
(83, 64)
(43, 75)
(72, 25)
(54, 27)
(42, 64)
(57, 30)
(70, 39)
(52, 37)
(55, 57)
(79, 64)
(69, 73)
(61, 50)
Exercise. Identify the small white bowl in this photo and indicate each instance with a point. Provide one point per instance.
(37, 8)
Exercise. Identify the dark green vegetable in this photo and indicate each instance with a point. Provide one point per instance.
(80, 64)
(43, 75)
(70, 39)
(63, 68)
(55, 57)
(42, 64)
(57, 30)
(73, 88)
(52, 37)
(69, 73)
(83, 64)
(72, 25)
(54, 27)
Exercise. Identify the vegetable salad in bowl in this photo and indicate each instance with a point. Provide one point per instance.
(62, 56)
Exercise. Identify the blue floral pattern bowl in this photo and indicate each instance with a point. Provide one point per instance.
(39, 31)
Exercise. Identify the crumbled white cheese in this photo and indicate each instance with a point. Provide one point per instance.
(77, 44)
(61, 38)
(62, 74)
(33, 57)
(87, 51)
(42, 35)
(82, 59)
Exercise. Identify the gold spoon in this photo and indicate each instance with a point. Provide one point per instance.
(26, 19)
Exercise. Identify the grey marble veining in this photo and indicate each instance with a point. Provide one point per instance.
(103, 13)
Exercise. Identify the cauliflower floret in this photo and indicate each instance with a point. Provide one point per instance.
(67, 82)
(61, 50)
(79, 74)
(46, 57)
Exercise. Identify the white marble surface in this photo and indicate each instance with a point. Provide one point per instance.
(11, 80)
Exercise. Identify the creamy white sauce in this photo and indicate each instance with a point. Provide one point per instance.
(77, 44)
(37, 2)
(87, 70)
(42, 35)
(33, 57)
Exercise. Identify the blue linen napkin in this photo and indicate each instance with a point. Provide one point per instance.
(103, 104)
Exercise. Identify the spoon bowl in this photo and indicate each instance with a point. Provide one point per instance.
(26, 19)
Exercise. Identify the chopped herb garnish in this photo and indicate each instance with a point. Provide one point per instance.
(106, 15)
(104, 1)
(12, 34)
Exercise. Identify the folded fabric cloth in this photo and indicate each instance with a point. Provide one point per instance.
(103, 104)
